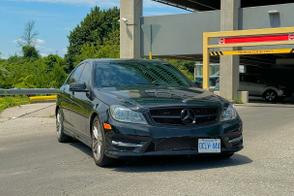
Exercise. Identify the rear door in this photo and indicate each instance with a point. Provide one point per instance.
(66, 97)
(249, 83)
(83, 105)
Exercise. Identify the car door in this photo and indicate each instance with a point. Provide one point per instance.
(245, 86)
(248, 83)
(252, 88)
(66, 98)
(83, 105)
(260, 88)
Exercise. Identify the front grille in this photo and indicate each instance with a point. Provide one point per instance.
(172, 116)
(175, 144)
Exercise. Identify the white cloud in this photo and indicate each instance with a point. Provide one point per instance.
(43, 54)
(17, 41)
(64, 51)
(3, 56)
(37, 43)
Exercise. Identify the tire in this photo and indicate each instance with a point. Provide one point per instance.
(98, 145)
(270, 96)
(61, 136)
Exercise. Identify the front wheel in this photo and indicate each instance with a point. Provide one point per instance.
(98, 145)
(270, 96)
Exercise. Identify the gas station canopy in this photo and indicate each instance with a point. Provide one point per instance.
(204, 5)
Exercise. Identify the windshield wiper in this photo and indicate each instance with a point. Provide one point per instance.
(158, 83)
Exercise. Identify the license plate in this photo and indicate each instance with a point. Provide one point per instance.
(209, 145)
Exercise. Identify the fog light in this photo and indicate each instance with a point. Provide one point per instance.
(123, 144)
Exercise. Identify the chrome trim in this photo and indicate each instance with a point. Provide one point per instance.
(123, 144)
(236, 139)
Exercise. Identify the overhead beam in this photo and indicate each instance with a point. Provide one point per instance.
(238, 33)
(203, 5)
(251, 44)
(252, 52)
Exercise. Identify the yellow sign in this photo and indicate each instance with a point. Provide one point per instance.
(252, 52)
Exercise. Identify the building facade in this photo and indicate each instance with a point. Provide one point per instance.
(181, 35)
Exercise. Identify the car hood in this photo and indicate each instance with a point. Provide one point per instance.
(147, 97)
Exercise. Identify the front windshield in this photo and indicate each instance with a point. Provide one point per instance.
(122, 74)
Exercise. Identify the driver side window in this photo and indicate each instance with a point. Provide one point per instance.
(76, 74)
(86, 74)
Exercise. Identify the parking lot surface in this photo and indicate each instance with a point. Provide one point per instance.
(32, 162)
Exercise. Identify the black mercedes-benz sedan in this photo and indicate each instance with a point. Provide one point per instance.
(134, 108)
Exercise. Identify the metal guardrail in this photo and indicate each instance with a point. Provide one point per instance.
(28, 91)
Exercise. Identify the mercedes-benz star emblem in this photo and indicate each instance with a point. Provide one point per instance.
(188, 116)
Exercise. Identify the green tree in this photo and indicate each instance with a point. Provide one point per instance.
(55, 69)
(109, 49)
(185, 66)
(30, 52)
(23, 72)
(91, 33)
(111, 46)
(28, 41)
(29, 36)
(31, 70)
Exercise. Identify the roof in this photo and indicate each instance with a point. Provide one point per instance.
(204, 5)
(110, 60)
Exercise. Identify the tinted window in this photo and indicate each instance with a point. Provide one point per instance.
(76, 74)
(86, 75)
(248, 78)
(138, 73)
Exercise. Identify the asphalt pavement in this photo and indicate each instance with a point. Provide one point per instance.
(32, 162)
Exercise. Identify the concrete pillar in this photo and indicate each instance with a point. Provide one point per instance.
(130, 28)
(229, 65)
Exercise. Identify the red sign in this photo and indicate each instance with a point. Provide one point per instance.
(260, 38)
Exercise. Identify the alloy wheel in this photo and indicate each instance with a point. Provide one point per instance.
(59, 124)
(97, 141)
(270, 96)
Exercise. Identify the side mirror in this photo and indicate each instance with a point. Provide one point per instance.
(76, 87)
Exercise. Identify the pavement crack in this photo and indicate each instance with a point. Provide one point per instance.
(26, 114)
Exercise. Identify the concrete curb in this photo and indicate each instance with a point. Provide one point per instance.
(39, 99)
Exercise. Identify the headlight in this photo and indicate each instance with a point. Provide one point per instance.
(229, 113)
(123, 114)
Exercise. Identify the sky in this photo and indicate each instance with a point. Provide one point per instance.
(54, 19)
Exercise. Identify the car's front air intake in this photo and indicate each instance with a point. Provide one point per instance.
(185, 116)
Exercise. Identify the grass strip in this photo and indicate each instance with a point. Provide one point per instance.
(6, 102)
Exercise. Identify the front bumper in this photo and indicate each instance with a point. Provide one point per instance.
(132, 140)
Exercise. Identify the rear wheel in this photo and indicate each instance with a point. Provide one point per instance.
(270, 96)
(61, 136)
(98, 145)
